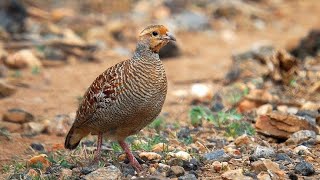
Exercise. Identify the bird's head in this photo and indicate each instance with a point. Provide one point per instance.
(155, 37)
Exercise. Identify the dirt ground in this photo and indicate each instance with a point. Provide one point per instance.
(205, 56)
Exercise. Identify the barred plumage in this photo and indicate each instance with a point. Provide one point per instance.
(127, 96)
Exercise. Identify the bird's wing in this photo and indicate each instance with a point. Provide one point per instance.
(102, 93)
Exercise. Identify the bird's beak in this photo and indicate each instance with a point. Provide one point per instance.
(169, 36)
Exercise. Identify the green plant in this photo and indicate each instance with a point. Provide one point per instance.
(199, 113)
(5, 168)
(19, 166)
(37, 165)
(158, 124)
(35, 70)
(116, 147)
(222, 118)
(238, 128)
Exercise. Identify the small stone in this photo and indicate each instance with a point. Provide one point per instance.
(188, 177)
(181, 155)
(32, 173)
(217, 166)
(264, 176)
(193, 164)
(87, 170)
(258, 166)
(263, 152)
(17, 116)
(218, 155)
(183, 133)
(191, 21)
(22, 59)
(177, 170)
(60, 125)
(201, 92)
(11, 127)
(34, 127)
(104, 173)
(282, 157)
(6, 89)
(160, 147)
(301, 150)
(242, 140)
(304, 168)
(152, 170)
(247, 105)
(235, 174)
(150, 156)
(300, 136)
(65, 173)
(264, 109)
(37, 146)
(274, 169)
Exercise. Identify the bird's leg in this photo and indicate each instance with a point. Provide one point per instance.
(132, 159)
(98, 152)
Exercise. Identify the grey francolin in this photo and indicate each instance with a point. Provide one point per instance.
(126, 97)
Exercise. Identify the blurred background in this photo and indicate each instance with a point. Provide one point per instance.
(238, 58)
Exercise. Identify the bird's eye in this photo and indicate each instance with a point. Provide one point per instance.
(155, 33)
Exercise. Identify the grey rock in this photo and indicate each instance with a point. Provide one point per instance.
(191, 21)
(193, 164)
(183, 133)
(301, 136)
(282, 157)
(188, 177)
(105, 173)
(37, 146)
(304, 168)
(263, 152)
(218, 155)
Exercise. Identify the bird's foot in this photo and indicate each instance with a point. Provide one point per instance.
(135, 164)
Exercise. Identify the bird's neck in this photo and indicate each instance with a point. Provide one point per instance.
(143, 52)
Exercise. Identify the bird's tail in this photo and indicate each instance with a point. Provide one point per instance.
(74, 137)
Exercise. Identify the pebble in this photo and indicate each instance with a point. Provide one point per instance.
(301, 150)
(22, 59)
(264, 109)
(263, 176)
(37, 146)
(235, 174)
(65, 173)
(181, 155)
(150, 156)
(304, 168)
(242, 140)
(282, 157)
(6, 89)
(17, 115)
(104, 173)
(193, 164)
(177, 170)
(218, 155)
(188, 177)
(217, 166)
(263, 152)
(183, 133)
(301, 136)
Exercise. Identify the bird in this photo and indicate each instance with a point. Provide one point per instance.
(125, 97)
